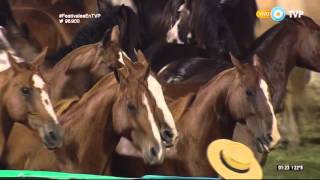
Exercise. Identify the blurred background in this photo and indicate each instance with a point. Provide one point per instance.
(300, 123)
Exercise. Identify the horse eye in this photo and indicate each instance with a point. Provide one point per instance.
(131, 108)
(25, 91)
(249, 92)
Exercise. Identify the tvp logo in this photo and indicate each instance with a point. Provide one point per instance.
(278, 14)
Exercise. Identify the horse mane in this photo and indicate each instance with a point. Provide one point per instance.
(95, 30)
(264, 39)
(104, 84)
(70, 61)
(211, 27)
(304, 21)
(169, 11)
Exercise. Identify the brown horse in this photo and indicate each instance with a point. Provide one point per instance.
(79, 70)
(24, 98)
(240, 94)
(292, 42)
(95, 124)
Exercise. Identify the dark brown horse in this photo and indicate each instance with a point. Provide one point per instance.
(240, 94)
(24, 98)
(94, 125)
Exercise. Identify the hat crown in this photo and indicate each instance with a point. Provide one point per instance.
(238, 156)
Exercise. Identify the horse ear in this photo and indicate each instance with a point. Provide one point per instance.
(146, 73)
(127, 61)
(104, 6)
(106, 37)
(236, 62)
(120, 77)
(141, 58)
(40, 58)
(257, 61)
(115, 34)
(14, 65)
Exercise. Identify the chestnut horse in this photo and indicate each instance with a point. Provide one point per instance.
(240, 94)
(292, 42)
(79, 70)
(25, 99)
(94, 125)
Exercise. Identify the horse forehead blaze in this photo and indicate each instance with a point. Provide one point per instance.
(157, 93)
(275, 132)
(154, 127)
(39, 83)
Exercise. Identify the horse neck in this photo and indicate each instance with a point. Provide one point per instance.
(280, 58)
(90, 138)
(207, 120)
(58, 77)
(5, 121)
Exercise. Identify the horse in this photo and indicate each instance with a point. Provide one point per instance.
(25, 99)
(95, 30)
(241, 16)
(54, 34)
(18, 37)
(67, 76)
(290, 43)
(120, 104)
(203, 24)
(240, 94)
(80, 69)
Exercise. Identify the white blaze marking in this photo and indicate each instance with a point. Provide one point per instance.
(173, 35)
(275, 132)
(128, 3)
(153, 124)
(39, 83)
(157, 93)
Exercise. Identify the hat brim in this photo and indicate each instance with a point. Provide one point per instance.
(213, 154)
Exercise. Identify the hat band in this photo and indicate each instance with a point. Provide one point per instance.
(230, 167)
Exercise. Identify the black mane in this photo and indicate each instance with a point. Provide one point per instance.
(211, 27)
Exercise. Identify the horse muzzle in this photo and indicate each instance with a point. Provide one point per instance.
(168, 136)
(52, 136)
(265, 143)
(153, 155)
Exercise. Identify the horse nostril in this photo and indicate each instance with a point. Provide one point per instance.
(154, 151)
(52, 135)
(167, 134)
(269, 137)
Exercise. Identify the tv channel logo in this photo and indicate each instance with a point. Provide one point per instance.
(278, 14)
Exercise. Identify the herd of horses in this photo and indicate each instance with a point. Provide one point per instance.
(145, 88)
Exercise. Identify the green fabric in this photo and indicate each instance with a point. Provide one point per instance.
(50, 175)
(59, 175)
(175, 177)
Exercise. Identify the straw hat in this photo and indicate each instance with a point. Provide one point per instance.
(233, 160)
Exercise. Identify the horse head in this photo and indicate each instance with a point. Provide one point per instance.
(140, 111)
(26, 100)
(249, 102)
